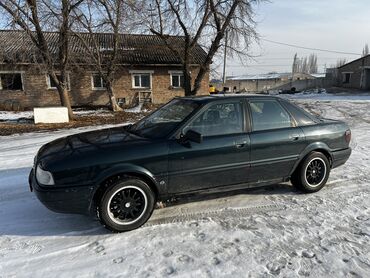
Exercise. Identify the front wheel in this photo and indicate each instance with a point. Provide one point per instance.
(312, 174)
(126, 205)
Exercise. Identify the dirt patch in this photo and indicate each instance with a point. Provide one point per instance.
(7, 128)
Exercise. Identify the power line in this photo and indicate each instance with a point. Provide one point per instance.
(265, 65)
(309, 48)
(290, 58)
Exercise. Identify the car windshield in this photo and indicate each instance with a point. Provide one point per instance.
(160, 123)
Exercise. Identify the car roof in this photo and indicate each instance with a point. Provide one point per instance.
(211, 98)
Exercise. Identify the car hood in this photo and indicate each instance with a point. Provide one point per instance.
(89, 141)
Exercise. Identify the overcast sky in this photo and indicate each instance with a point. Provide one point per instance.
(340, 25)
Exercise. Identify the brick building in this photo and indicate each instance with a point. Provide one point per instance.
(355, 74)
(146, 69)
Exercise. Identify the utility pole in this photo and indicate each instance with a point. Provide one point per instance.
(224, 71)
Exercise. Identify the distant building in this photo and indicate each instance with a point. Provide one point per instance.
(269, 81)
(146, 68)
(355, 74)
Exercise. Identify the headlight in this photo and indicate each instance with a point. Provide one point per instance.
(44, 177)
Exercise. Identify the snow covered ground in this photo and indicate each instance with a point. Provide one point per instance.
(275, 231)
(28, 115)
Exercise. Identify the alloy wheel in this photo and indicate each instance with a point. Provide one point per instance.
(127, 205)
(315, 172)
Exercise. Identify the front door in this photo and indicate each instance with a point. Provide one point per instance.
(275, 141)
(223, 156)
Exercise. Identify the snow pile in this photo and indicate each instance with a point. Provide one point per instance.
(275, 231)
(15, 116)
(11, 116)
(136, 109)
(97, 112)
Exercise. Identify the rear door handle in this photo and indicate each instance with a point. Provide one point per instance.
(240, 145)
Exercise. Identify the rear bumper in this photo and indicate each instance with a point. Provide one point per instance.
(340, 157)
(76, 199)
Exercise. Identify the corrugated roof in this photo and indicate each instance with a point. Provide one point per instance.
(266, 76)
(134, 49)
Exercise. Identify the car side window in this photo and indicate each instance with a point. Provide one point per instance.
(219, 119)
(268, 114)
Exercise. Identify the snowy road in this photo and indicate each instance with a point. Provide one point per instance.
(274, 231)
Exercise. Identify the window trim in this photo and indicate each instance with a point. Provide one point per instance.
(12, 72)
(139, 73)
(292, 120)
(101, 81)
(48, 82)
(176, 73)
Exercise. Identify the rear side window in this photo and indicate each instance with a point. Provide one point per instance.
(302, 117)
(269, 114)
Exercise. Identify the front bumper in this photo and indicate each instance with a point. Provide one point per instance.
(340, 157)
(76, 199)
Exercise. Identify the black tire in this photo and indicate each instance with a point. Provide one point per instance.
(126, 205)
(312, 173)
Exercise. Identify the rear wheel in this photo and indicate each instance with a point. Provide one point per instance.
(312, 174)
(126, 205)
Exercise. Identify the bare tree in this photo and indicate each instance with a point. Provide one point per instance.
(305, 65)
(96, 16)
(365, 50)
(33, 17)
(312, 63)
(200, 22)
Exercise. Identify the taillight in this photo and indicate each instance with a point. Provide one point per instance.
(347, 135)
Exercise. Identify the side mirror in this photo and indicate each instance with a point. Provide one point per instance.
(193, 136)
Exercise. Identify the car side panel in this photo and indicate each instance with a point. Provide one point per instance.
(149, 160)
(217, 161)
(275, 152)
(329, 133)
(327, 137)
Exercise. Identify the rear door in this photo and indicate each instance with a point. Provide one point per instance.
(276, 142)
(223, 156)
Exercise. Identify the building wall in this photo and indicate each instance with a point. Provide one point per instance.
(360, 71)
(301, 81)
(36, 94)
(258, 85)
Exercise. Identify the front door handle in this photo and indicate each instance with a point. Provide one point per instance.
(294, 137)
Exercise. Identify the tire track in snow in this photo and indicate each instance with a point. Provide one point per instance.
(286, 203)
(222, 213)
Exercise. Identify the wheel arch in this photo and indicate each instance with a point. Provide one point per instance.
(315, 147)
(108, 178)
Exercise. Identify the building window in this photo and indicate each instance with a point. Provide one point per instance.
(52, 85)
(141, 80)
(177, 79)
(11, 81)
(97, 82)
(346, 77)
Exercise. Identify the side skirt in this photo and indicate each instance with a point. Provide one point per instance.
(222, 189)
